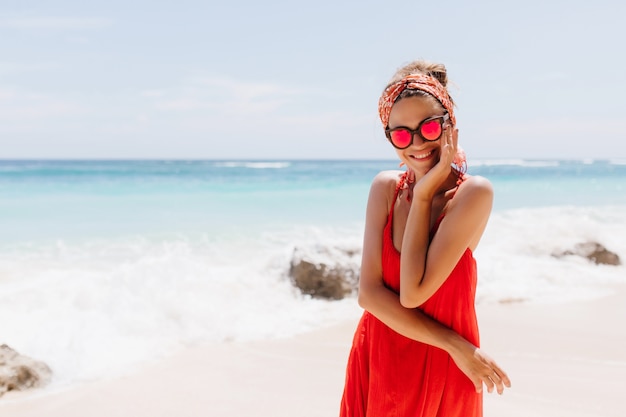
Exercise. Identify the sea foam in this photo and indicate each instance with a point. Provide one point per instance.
(96, 307)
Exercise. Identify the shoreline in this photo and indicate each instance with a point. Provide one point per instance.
(564, 359)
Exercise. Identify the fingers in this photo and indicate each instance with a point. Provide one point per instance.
(496, 382)
(455, 139)
(492, 375)
(500, 377)
(447, 150)
(480, 369)
(504, 377)
(496, 378)
(489, 383)
(490, 378)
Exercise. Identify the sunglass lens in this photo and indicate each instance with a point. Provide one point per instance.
(401, 138)
(431, 130)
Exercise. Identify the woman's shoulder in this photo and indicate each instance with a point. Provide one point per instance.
(391, 176)
(383, 190)
(386, 180)
(476, 183)
(474, 189)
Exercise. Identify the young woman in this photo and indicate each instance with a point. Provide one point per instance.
(415, 351)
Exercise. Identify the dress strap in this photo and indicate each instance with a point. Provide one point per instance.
(403, 181)
(402, 184)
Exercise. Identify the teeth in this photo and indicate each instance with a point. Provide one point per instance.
(421, 156)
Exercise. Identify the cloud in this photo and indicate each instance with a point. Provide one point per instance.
(31, 111)
(549, 77)
(224, 97)
(185, 104)
(563, 137)
(18, 67)
(231, 95)
(251, 90)
(562, 127)
(205, 102)
(261, 117)
(54, 23)
(153, 93)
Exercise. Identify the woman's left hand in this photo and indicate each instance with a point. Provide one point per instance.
(480, 368)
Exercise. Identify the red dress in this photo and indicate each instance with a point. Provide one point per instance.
(391, 375)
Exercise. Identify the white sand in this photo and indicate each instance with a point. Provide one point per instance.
(564, 360)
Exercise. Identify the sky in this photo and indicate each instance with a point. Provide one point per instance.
(271, 80)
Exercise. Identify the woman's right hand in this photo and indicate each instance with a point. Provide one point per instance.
(480, 368)
(427, 186)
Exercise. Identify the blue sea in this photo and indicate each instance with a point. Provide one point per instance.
(105, 264)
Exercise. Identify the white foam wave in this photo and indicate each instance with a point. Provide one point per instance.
(254, 165)
(516, 259)
(95, 307)
(513, 162)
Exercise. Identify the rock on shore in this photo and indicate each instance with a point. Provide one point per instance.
(325, 272)
(18, 372)
(593, 251)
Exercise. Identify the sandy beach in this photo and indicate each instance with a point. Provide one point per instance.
(563, 359)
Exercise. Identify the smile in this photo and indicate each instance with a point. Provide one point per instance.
(422, 155)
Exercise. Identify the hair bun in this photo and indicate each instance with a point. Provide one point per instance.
(436, 70)
(441, 75)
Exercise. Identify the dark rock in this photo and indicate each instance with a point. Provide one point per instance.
(325, 272)
(594, 252)
(18, 372)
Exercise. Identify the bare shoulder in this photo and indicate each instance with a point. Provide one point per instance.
(474, 192)
(476, 185)
(470, 209)
(386, 180)
(383, 188)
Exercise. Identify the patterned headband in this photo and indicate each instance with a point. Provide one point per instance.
(421, 82)
(431, 86)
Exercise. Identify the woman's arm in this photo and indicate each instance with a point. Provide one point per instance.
(431, 262)
(385, 305)
(425, 265)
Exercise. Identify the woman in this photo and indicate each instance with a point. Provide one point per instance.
(415, 351)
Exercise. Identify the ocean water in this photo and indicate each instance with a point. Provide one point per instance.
(106, 264)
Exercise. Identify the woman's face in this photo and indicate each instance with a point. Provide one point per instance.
(408, 112)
